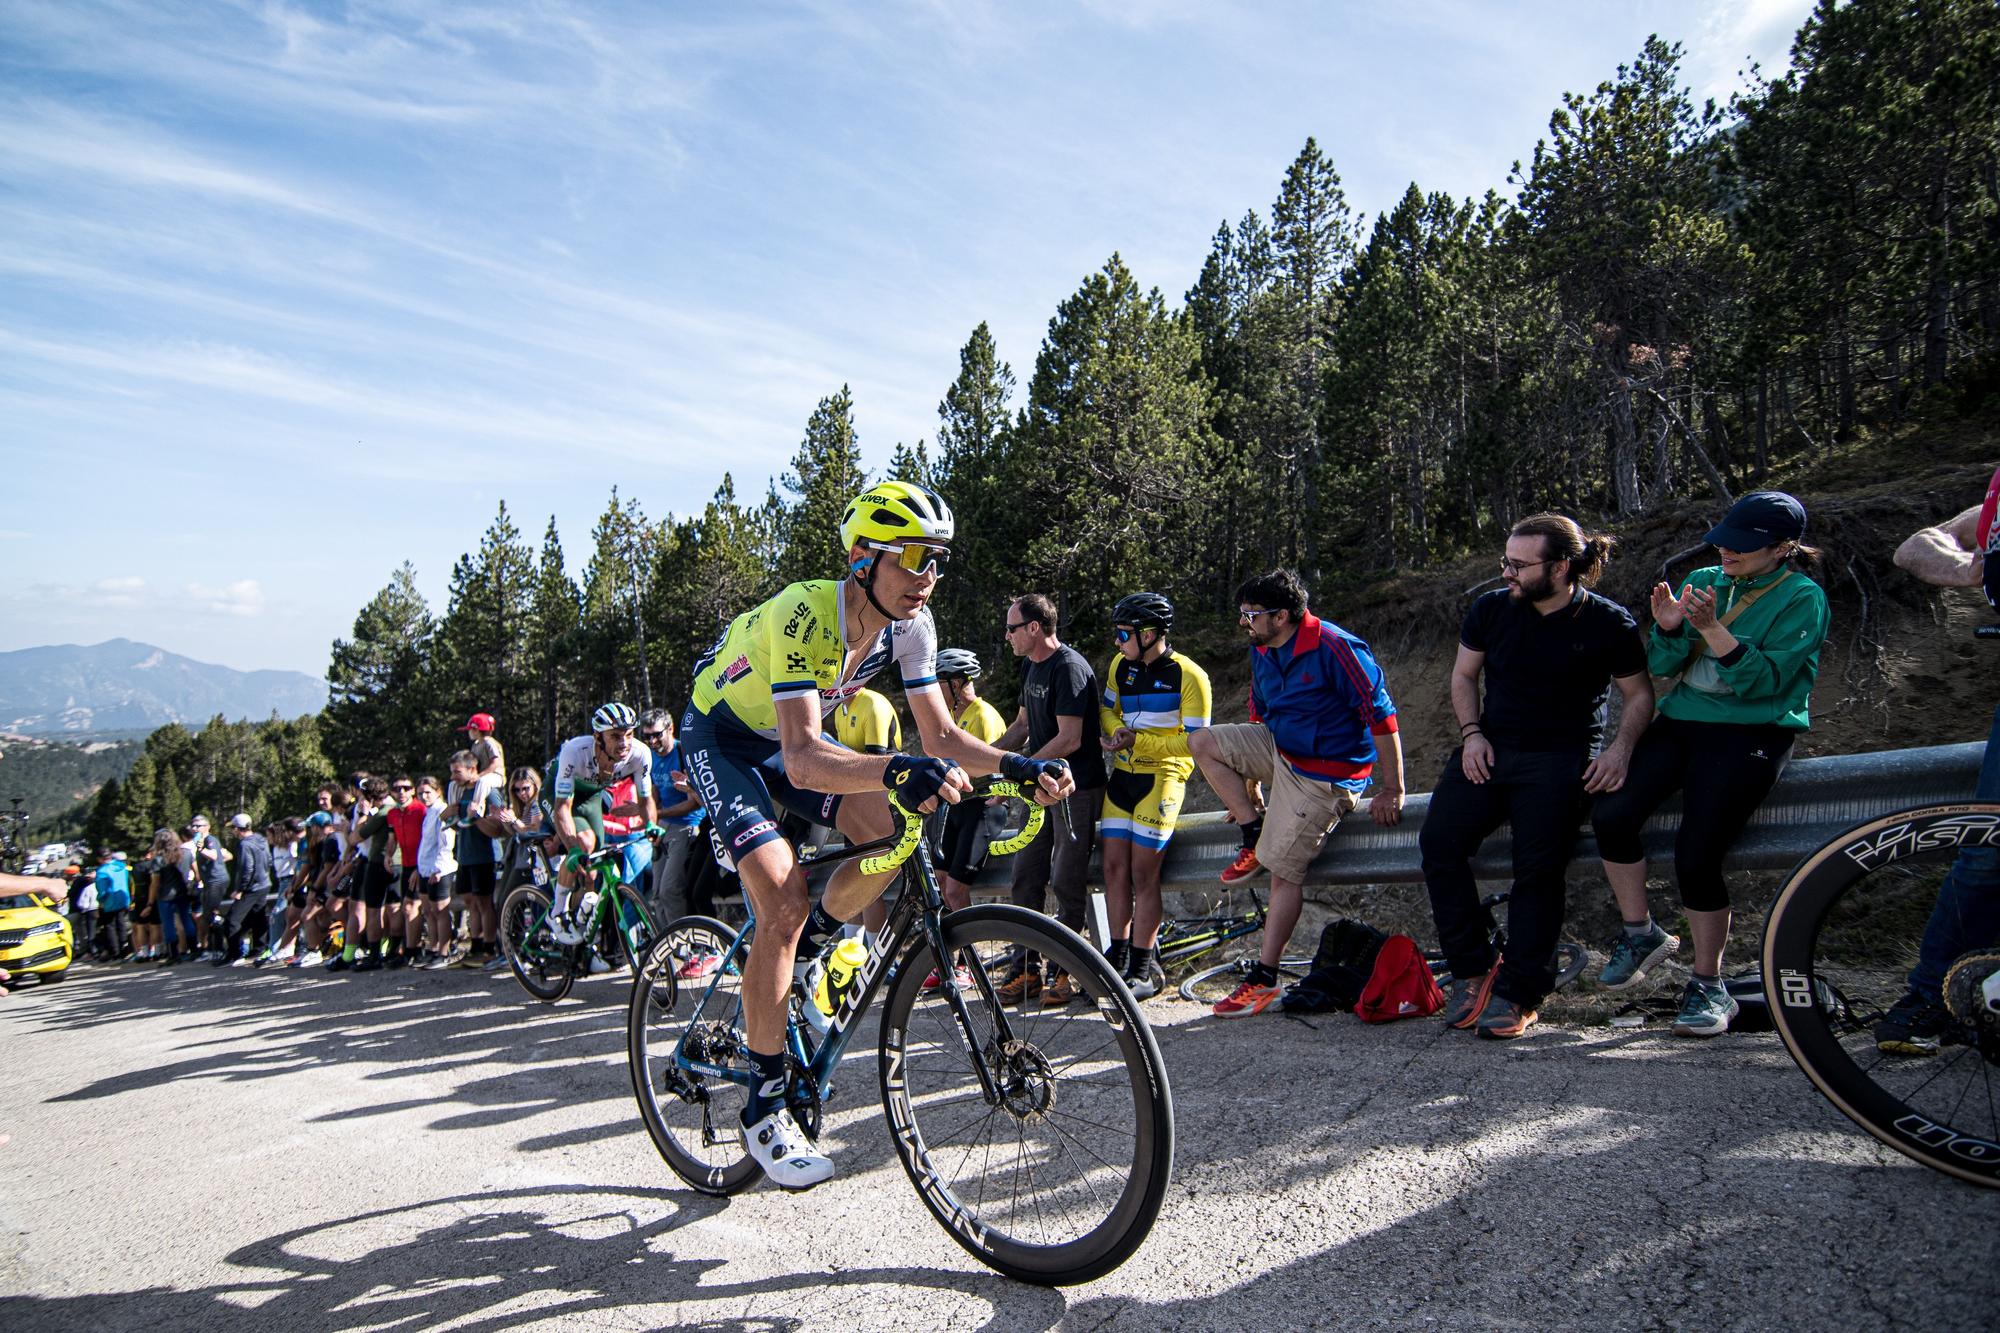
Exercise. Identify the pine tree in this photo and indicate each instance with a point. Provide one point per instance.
(100, 827)
(170, 806)
(624, 550)
(825, 474)
(974, 470)
(1117, 419)
(375, 714)
(556, 616)
(482, 656)
(138, 806)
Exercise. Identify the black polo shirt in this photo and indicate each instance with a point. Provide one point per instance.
(1064, 686)
(1548, 676)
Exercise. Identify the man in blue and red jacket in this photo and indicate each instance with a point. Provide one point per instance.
(1321, 720)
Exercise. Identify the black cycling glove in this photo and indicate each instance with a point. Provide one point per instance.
(1019, 768)
(915, 780)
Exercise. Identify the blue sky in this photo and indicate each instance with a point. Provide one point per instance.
(292, 292)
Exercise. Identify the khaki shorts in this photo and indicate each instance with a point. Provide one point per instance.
(1298, 811)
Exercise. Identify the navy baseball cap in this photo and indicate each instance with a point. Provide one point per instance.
(1759, 519)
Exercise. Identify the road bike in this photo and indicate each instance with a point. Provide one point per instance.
(1218, 923)
(1839, 944)
(620, 928)
(1041, 1139)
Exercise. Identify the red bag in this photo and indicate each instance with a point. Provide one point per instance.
(1401, 986)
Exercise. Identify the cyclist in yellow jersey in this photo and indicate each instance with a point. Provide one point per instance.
(868, 724)
(964, 848)
(1153, 697)
(753, 741)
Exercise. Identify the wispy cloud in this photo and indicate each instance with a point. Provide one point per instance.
(242, 598)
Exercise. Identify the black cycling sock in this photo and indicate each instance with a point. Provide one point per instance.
(1260, 975)
(819, 928)
(1252, 831)
(767, 1094)
(1141, 960)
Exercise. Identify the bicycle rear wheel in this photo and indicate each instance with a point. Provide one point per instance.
(1839, 944)
(1056, 1176)
(687, 1009)
(545, 969)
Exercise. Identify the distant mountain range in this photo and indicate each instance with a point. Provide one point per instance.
(122, 685)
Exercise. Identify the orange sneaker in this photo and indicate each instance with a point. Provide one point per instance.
(1468, 998)
(1058, 990)
(1244, 866)
(1247, 999)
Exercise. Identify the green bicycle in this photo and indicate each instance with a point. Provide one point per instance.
(620, 923)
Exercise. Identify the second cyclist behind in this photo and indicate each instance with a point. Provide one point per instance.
(754, 742)
(586, 768)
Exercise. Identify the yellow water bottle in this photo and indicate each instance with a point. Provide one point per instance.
(843, 968)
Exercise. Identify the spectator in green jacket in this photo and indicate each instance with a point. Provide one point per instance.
(1741, 641)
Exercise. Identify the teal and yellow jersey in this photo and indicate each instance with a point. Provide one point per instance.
(791, 647)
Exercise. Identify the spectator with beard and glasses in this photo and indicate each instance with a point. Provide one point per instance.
(1548, 649)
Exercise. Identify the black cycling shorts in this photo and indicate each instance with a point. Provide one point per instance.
(381, 885)
(964, 846)
(742, 783)
(476, 881)
(436, 888)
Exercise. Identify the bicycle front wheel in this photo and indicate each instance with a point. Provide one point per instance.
(1212, 985)
(1839, 945)
(687, 1011)
(545, 969)
(1052, 1168)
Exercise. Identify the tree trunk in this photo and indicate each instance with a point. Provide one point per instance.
(1937, 295)
(1624, 452)
(1763, 422)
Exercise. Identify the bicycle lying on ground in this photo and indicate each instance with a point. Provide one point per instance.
(620, 923)
(1840, 941)
(1221, 918)
(1041, 1139)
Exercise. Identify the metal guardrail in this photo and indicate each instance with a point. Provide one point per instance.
(1815, 799)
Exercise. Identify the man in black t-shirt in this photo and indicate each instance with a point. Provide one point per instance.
(1548, 648)
(1058, 720)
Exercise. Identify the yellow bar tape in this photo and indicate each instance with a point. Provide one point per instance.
(913, 833)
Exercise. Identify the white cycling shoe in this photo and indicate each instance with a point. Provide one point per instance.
(564, 929)
(786, 1154)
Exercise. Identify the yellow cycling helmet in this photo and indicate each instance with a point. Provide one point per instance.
(896, 511)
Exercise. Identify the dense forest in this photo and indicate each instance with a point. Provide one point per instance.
(1669, 300)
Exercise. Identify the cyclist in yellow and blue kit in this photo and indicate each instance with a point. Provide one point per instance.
(754, 740)
(1153, 697)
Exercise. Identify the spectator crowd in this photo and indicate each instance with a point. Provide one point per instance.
(405, 870)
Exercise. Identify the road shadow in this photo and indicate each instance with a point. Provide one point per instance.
(593, 1256)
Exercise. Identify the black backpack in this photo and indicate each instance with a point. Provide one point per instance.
(1341, 967)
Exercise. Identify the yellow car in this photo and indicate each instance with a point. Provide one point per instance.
(34, 939)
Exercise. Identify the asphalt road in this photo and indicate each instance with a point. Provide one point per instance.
(225, 1149)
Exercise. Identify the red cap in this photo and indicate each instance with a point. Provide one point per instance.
(479, 722)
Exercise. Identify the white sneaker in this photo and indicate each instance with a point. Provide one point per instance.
(564, 930)
(598, 967)
(786, 1154)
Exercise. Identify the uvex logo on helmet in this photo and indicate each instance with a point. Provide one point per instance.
(896, 511)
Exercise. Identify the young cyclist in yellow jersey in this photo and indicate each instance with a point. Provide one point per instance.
(1153, 698)
(753, 741)
(867, 724)
(966, 833)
